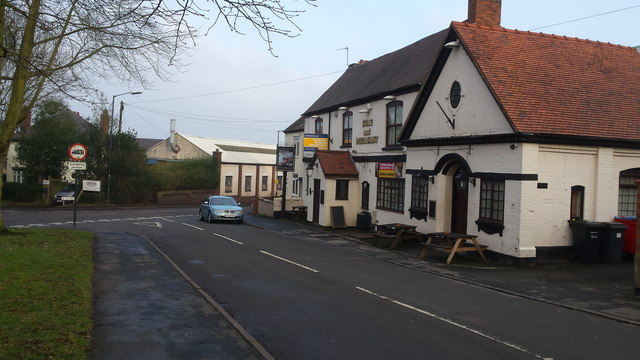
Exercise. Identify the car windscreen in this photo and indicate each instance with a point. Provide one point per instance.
(223, 201)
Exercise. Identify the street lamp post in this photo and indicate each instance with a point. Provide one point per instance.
(111, 121)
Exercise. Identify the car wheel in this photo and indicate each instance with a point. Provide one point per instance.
(200, 215)
(209, 217)
(241, 221)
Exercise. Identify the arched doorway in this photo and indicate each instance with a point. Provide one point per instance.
(457, 171)
(459, 204)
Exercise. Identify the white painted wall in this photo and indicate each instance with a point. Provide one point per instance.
(477, 112)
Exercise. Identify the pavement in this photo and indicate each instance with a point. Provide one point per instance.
(146, 308)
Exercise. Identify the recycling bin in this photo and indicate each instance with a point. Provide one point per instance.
(629, 236)
(363, 220)
(586, 240)
(611, 243)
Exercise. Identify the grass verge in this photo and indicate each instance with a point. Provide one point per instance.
(45, 294)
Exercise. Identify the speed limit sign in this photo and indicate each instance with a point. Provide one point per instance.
(77, 152)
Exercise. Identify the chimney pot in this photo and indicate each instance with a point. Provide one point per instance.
(485, 12)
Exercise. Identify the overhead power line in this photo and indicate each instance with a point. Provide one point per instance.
(203, 117)
(243, 89)
(586, 17)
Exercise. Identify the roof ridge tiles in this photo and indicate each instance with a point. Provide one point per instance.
(528, 32)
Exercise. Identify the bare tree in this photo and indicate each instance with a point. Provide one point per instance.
(53, 46)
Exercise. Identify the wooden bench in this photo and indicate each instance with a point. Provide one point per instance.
(401, 231)
(452, 243)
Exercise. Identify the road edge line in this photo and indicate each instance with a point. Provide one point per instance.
(243, 332)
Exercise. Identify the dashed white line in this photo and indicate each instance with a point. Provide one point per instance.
(451, 322)
(228, 238)
(193, 226)
(289, 261)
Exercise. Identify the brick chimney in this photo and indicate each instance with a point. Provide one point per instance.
(485, 12)
(105, 120)
(26, 122)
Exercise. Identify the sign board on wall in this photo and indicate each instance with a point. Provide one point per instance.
(313, 142)
(389, 170)
(285, 158)
(76, 165)
(91, 185)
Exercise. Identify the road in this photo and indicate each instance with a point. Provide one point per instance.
(303, 299)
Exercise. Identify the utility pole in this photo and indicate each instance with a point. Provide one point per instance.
(120, 118)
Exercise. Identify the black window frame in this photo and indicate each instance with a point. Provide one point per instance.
(264, 183)
(318, 126)
(576, 210)
(342, 189)
(492, 199)
(394, 123)
(347, 129)
(419, 197)
(627, 195)
(228, 184)
(247, 183)
(491, 206)
(455, 94)
(390, 194)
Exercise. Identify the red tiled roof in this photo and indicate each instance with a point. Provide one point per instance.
(550, 84)
(336, 163)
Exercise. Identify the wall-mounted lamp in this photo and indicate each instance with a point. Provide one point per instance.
(343, 108)
(309, 171)
(366, 109)
(452, 44)
(462, 180)
(389, 97)
(513, 146)
(314, 116)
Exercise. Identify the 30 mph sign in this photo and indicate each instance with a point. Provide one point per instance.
(77, 152)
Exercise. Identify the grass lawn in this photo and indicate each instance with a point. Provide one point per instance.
(45, 294)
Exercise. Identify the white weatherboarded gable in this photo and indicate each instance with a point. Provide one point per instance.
(477, 114)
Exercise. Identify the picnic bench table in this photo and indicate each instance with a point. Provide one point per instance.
(452, 243)
(396, 232)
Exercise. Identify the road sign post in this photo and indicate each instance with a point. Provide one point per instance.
(77, 153)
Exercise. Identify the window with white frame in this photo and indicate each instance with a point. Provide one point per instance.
(18, 176)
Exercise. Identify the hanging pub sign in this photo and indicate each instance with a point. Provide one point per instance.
(389, 170)
(313, 142)
(285, 158)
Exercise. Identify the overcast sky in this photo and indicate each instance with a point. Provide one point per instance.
(235, 89)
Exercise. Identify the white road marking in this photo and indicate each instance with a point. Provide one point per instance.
(193, 226)
(150, 223)
(289, 261)
(451, 322)
(230, 239)
(24, 226)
